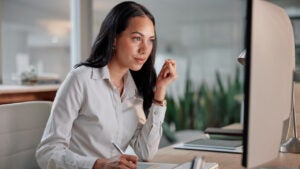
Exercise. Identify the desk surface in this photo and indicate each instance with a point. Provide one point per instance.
(225, 160)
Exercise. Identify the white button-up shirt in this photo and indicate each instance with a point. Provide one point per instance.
(88, 114)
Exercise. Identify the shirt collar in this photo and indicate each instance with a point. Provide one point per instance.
(130, 87)
(100, 73)
(103, 73)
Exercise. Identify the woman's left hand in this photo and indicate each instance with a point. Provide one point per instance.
(166, 76)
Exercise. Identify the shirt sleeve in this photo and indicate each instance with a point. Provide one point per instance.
(146, 139)
(53, 151)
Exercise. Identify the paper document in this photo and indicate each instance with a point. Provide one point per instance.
(187, 165)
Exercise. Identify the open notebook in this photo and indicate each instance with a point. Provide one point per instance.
(187, 165)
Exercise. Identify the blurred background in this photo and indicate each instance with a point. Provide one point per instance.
(205, 37)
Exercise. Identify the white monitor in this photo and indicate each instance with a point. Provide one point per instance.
(270, 62)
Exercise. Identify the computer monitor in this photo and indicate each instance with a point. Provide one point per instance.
(270, 62)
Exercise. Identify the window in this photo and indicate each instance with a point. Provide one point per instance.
(35, 38)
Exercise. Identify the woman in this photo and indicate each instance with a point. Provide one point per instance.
(114, 96)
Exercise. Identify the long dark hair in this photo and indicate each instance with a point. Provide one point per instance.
(115, 23)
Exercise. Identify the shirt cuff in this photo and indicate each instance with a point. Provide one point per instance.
(86, 162)
(158, 112)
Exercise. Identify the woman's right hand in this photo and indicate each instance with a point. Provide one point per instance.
(124, 161)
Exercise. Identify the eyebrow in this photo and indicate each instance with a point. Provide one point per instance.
(136, 32)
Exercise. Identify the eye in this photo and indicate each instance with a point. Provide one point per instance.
(152, 40)
(137, 38)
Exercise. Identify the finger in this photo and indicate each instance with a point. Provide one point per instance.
(173, 62)
(172, 71)
(169, 70)
(123, 163)
(131, 158)
(166, 73)
(165, 66)
(163, 70)
(129, 161)
(127, 164)
(133, 165)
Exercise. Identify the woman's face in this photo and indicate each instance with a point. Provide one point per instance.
(134, 44)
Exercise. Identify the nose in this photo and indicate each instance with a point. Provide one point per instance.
(142, 51)
(143, 48)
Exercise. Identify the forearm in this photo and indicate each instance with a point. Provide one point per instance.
(160, 93)
(147, 136)
(58, 156)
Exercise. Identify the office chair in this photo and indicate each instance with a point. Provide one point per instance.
(21, 128)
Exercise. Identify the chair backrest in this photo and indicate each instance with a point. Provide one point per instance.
(21, 128)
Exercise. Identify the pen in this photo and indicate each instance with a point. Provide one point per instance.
(117, 147)
(197, 163)
(193, 163)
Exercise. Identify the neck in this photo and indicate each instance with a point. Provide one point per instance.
(116, 73)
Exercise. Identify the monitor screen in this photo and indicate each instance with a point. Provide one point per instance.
(270, 62)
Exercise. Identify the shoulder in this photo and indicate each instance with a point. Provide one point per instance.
(78, 75)
(83, 71)
(90, 73)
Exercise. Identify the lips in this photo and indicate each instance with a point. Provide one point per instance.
(140, 60)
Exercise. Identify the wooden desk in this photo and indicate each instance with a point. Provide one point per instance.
(20, 93)
(225, 160)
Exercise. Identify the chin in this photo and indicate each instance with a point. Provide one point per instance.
(136, 67)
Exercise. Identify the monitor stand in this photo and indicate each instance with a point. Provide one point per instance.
(292, 145)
